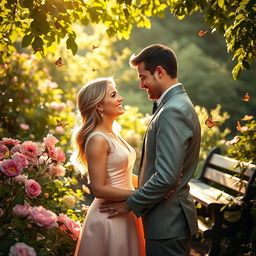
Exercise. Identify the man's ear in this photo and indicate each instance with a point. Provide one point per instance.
(159, 71)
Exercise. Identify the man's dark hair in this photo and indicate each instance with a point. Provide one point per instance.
(157, 55)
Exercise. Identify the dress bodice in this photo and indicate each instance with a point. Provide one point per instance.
(120, 161)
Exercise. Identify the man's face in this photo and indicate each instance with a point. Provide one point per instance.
(149, 82)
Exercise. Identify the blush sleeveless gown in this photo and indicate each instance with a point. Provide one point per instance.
(122, 235)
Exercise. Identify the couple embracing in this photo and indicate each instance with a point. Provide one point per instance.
(162, 203)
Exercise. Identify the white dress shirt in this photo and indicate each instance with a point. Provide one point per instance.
(162, 96)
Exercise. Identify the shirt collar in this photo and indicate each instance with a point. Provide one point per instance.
(162, 96)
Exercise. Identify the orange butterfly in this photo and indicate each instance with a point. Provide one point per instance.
(201, 32)
(58, 62)
(95, 47)
(209, 123)
(246, 97)
(59, 123)
(238, 127)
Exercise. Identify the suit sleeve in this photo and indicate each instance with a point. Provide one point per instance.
(173, 131)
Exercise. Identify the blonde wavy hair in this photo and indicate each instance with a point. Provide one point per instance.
(89, 96)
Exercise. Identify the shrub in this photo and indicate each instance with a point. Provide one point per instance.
(37, 200)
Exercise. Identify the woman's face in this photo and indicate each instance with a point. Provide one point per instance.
(112, 103)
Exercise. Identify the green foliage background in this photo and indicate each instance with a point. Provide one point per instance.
(91, 37)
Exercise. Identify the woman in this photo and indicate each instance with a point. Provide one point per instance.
(110, 162)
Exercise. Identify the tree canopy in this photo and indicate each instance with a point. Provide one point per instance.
(42, 24)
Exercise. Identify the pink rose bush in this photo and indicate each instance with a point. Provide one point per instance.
(33, 183)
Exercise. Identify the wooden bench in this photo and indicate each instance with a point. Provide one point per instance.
(223, 180)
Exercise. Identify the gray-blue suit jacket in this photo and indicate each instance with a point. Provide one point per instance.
(171, 147)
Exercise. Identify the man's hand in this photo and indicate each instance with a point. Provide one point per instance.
(114, 208)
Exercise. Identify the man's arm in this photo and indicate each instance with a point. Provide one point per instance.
(173, 132)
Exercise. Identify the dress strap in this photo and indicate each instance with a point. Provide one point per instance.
(110, 143)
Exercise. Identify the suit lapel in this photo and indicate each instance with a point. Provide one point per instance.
(170, 93)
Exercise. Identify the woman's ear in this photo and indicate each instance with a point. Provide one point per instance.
(99, 107)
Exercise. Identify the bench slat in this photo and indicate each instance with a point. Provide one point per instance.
(205, 194)
(202, 226)
(225, 179)
(229, 163)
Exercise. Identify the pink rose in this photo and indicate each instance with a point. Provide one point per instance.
(15, 149)
(71, 225)
(24, 126)
(50, 141)
(33, 189)
(43, 218)
(60, 156)
(44, 159)
(10, 168)
(57, 170)
(21, 249)
(1, 212)
(22, 178)
(4, 152)
(74, 228)
(57, 154)
(62, 218)
(31, 151)
(10, 142)
(21, 210)
(21, 159)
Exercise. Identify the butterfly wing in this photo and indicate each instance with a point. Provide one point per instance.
(201, 33)
(58, 62)
(246, 97)
(209, 123)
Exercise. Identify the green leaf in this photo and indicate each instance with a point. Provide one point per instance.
(236, 72)
(128, 2)
(126, 13)
(27, 39)
(60, 5)
(37, 43)
(71, 44)
(221, 3)
(27, 3)
(51, 9)
(18, 200)
(40, 25)
(111, 32)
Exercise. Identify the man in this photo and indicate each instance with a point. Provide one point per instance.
(169, 158)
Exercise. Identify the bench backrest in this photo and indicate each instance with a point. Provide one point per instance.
(228, 173)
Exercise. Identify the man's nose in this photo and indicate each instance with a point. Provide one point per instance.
(141, 85)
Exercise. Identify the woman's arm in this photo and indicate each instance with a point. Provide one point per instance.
(96, 154)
